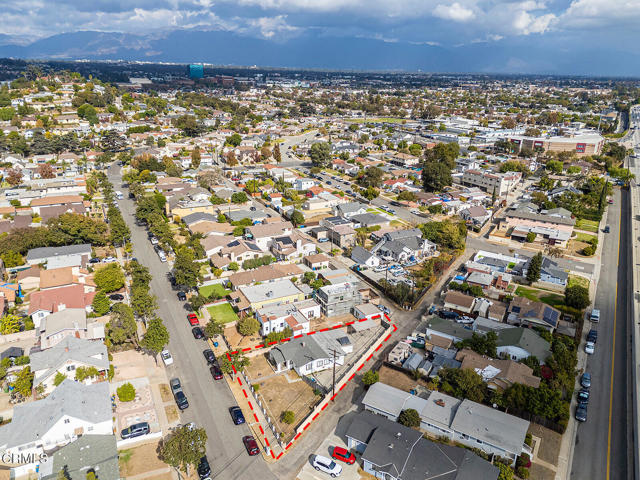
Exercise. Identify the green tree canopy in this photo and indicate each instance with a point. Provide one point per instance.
(100, 303)
(320, 154)
(409, 418)
(184, 447)
(156, 336)
(109, 278)
(535, 267)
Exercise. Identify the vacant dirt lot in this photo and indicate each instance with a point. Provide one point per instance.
(549, 445)
(398, 379)
(259, 368)
(172, 413)
(134, 461)
(287, 392)
(165, 392)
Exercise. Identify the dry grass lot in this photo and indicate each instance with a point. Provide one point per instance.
(172, 413)
(550, 444)
(258, 368)
(165, 392)
(398, 379)
(134, 461)
(281, 395)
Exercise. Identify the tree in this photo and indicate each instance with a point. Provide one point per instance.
(233, 140)
(239, 197)
(288, 417)
(109, 278)
(156, 337)
(12, 259)
(126, 392)
(406, 195)
(509, 123)
(185, 447)
(142, 302)
(248, 326)
(189, 125)
(45, 170)
(276, 153)
(545, 183)
(372, 177)
(186, 269)
(9, 324)
(435, 176)
(531, 236)
(100, 303)
(370, 377)
(297, 218)
(195, 157)
(443, 153)
(370, 193)
(23, 383)
(506, 472)
(233, 266)
(14, 176)
(320, 154)
(59, 378)
(577, 296)
(213, 328)
(409, 418)
(232, 359)
(554, 166)
(534, 268)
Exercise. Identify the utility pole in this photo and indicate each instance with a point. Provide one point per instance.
(333, 387)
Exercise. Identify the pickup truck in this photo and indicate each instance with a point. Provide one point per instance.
(178, 394)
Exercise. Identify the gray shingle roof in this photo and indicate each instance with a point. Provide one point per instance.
(32, 420)
(47, 252)
(360, 254)
(525, 338)
(199, 217)
(97, 452)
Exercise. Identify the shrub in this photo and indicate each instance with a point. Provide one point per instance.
(59, 378)
(288, 417)
(589, 250)
(523, 460)
(370, 377)
(531, 237)
(23, 360)
(409, 418)
(522, 472)
(126, 392)
(528, 439)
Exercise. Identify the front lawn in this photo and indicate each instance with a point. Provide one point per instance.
(584, 237)
(222, 313)
(588, 225)
(207, 290)
(578, 280)
(552, 299)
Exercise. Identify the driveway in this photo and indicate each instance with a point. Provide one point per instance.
(209, 402)
(349, 472)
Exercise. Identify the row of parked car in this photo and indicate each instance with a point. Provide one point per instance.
(585, 379)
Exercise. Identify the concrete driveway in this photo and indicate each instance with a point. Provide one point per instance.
(349, 472)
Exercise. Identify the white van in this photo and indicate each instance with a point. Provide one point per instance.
(119, 195)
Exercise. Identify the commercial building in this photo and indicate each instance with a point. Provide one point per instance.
(501, 183)
(195, 70)
(587, 144)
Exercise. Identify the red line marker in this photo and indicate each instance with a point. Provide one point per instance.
(324, 329)
(369, 357)
(272, 455)
(311, 333)
(272, 343)
(298, 336)
(343, 385)
(350, 323)
(256, 417)
(337, 326)
(378, 347)
(351, 377)
(250, 406)
(245, 393)
(239, 381)
(248, 349)
(325, 406)
(334, 396)
(281, 453)
(315, 416)
(388, 337)
(306, 426)
(261, 430)
(362, 320)
(228, 356)
(394, 327)
(297, 436)
(285, 340)
(360, 367)
(234, 353)
(288, 445)
(266, 440)
(259, 346)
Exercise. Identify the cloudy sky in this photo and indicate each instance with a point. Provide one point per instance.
(552, 25)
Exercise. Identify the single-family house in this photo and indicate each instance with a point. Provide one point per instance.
(296, 316)
(525, 312)
(362, 256)
(311, 354)
(277, 292)
(67, 322)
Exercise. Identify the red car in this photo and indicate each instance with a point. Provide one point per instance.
(344, 455)
(193, 319)
(251, 445)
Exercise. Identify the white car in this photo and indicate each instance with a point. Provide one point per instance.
(590, 348)
(166, 357)
(326, 465)
(110, 260)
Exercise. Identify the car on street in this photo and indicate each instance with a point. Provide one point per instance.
(585, 380)
(583, 396)
(581, 413)
(135, 430)
(343, 455)
(118, 297)
(204, 469)
(197, 333)
(326, 465)
(251, 445)
(607, 229)
(178, 395)
(193, 319)
(590, 348)
(209, 356)
(216, 372)
(236, 415)
(167, 359)
(592, 336)
(595, 315)
(182, 296)
(154, 240)
(384, 309)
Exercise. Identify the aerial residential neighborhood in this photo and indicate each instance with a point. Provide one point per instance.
(210, 275)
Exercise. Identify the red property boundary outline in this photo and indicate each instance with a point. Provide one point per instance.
(315, 417)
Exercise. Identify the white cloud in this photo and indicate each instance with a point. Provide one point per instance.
(597, 13)
(455, 12)
(273, 27)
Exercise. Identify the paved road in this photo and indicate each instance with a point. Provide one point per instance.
(603, 443)
(209, 402)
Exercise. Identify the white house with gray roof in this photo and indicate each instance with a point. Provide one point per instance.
(70, 411)
(98, 453)
(66, 357)
(36, 256)
(463, 421)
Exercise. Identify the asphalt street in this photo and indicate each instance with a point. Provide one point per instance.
(603, 448)
(209, 401)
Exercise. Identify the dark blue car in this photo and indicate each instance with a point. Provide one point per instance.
(236, 415)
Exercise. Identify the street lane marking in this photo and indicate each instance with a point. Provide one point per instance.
(613, 354)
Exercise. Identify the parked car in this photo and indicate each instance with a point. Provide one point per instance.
(592, 336)
(326, 465)
(162, 256)
(216, 372)
(166, 357)
(585, 380)
(379, 269)
(182, 296)
(583, 396)
(251, 445)
(595, 315)
(154, 240)
(135, 430)
(95, 260)
(343, 455)
(204, 469)
(178, 395)
(110, 260)
(197, 332)
(607, 229)
(193, 319)
(236, 415)
(118, 297)
(590, 348)
(209, 356)
(581, 413)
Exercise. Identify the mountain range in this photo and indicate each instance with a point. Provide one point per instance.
(325, 52)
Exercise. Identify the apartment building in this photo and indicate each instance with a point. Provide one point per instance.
(338, 299)
(501, 183)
